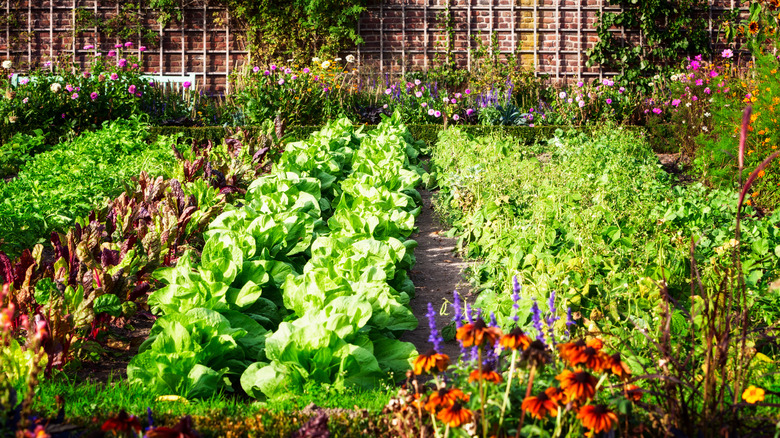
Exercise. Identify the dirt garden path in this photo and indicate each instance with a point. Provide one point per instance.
(438, 272)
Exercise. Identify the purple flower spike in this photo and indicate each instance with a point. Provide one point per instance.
(493, 321)
(434, 338)
(536, 315)
(468, 314)
(456, 304)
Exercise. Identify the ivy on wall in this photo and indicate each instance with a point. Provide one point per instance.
(671, 31)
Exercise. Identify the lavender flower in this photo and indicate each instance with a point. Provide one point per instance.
(493, 321)
(434, 338)
(456, 304)
(536, 316)
(516, 299)
(469, 317)
(569, 321)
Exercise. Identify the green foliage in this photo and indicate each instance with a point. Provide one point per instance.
(19, 149)
(671, 30)
(56, 187)
(594, 219)
(298, 29)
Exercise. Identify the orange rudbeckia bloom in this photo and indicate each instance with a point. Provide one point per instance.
(597, 418)
(476, 333)
(578, 385)
(570, 350)
(515, 340)
(444, 398)
(426, 362)
(633, 392)
(617, 366)
(485, 373)
(455, 415)
(591, 356)
(541, 405)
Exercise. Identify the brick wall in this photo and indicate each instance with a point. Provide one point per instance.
(549, 36)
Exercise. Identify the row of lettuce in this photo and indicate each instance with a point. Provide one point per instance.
(304, 280)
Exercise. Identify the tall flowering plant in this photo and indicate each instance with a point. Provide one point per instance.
(509, 383)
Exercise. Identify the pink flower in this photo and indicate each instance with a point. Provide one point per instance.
(281, 82)
(85, 74)
(135, 65)
(88, 47)
(695, 98)
(676, 102)
(128, 44)
(467, 91)
(469, 112)
(388, 91)
(122, 62)
(707, 90)
(306, 70)
(287, 71)
(431, 111)
(713, 74)
(273, 67)
(266, 73)
(580, 84)
(117, 46)
(25, 100)
(699, 82)
(582, 103)
(74, 96)
(456, 117)
(424, 104)
(111, 53)
(418, 94)
(453, 101)
(69, 87)
(657, 110)
(24, 81)
(609, 101)
(93, 95)
(294, 77)
(114, 76)
(727, 53)
(621, 90)
(437, 114)
(142, 49)
(186, 84)
(131, 89)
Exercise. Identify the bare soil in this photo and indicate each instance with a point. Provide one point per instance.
(438, 272)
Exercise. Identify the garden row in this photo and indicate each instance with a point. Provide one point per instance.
(304, 282)
(594, 225)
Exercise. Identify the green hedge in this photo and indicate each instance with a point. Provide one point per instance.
(658, 136)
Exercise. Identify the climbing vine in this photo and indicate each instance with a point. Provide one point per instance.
(671, 31)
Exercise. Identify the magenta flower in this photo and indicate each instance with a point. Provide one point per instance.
(69, 87)
(676, 102)
(266, 73)
(453, 101)
(74, 96)
(273, 67)
(294, 77)
(388, 91)
(93, 95)
(85, 74)
(437, 114)
(467, 91)
(657, 110)
(135, 66)
(255, 69)
(114, 76)
(699, 82)
(122, 62)
(88, 47)
(727, 53)
(117, 46)
(713, 74)
(111, 53)
(24, 81)
(707, 90)
(131, 89)
(142, 49)
(580, 84)
(456, 117)
(469, 112)
(621, 90)
(186, 84)
(306, 70)
(609, 101)
(128, 44)
(695, 98)
(281, 82)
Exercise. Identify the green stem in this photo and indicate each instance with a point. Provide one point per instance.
(508, 387)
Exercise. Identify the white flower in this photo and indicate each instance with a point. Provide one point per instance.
(326, 64)
(55, 87)
(707, 114)
(704, 128)
(7, 64)
(315, 60)
(688, 104)
(337, 59)
(562, 95)
(651, 84)
(350, 59)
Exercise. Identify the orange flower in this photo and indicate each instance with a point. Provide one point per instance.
(444, 398)
(753, 27)
(633, 392)
(598, 418)
(556, 394)
(753, 394)
(455, 415)
(516, 339)
(578, 385)
(571, 350)
(476, 333)
(486, 373)
(426, 362)
(617, 366)
(540, 405)
(591, 356)
(536, 353)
